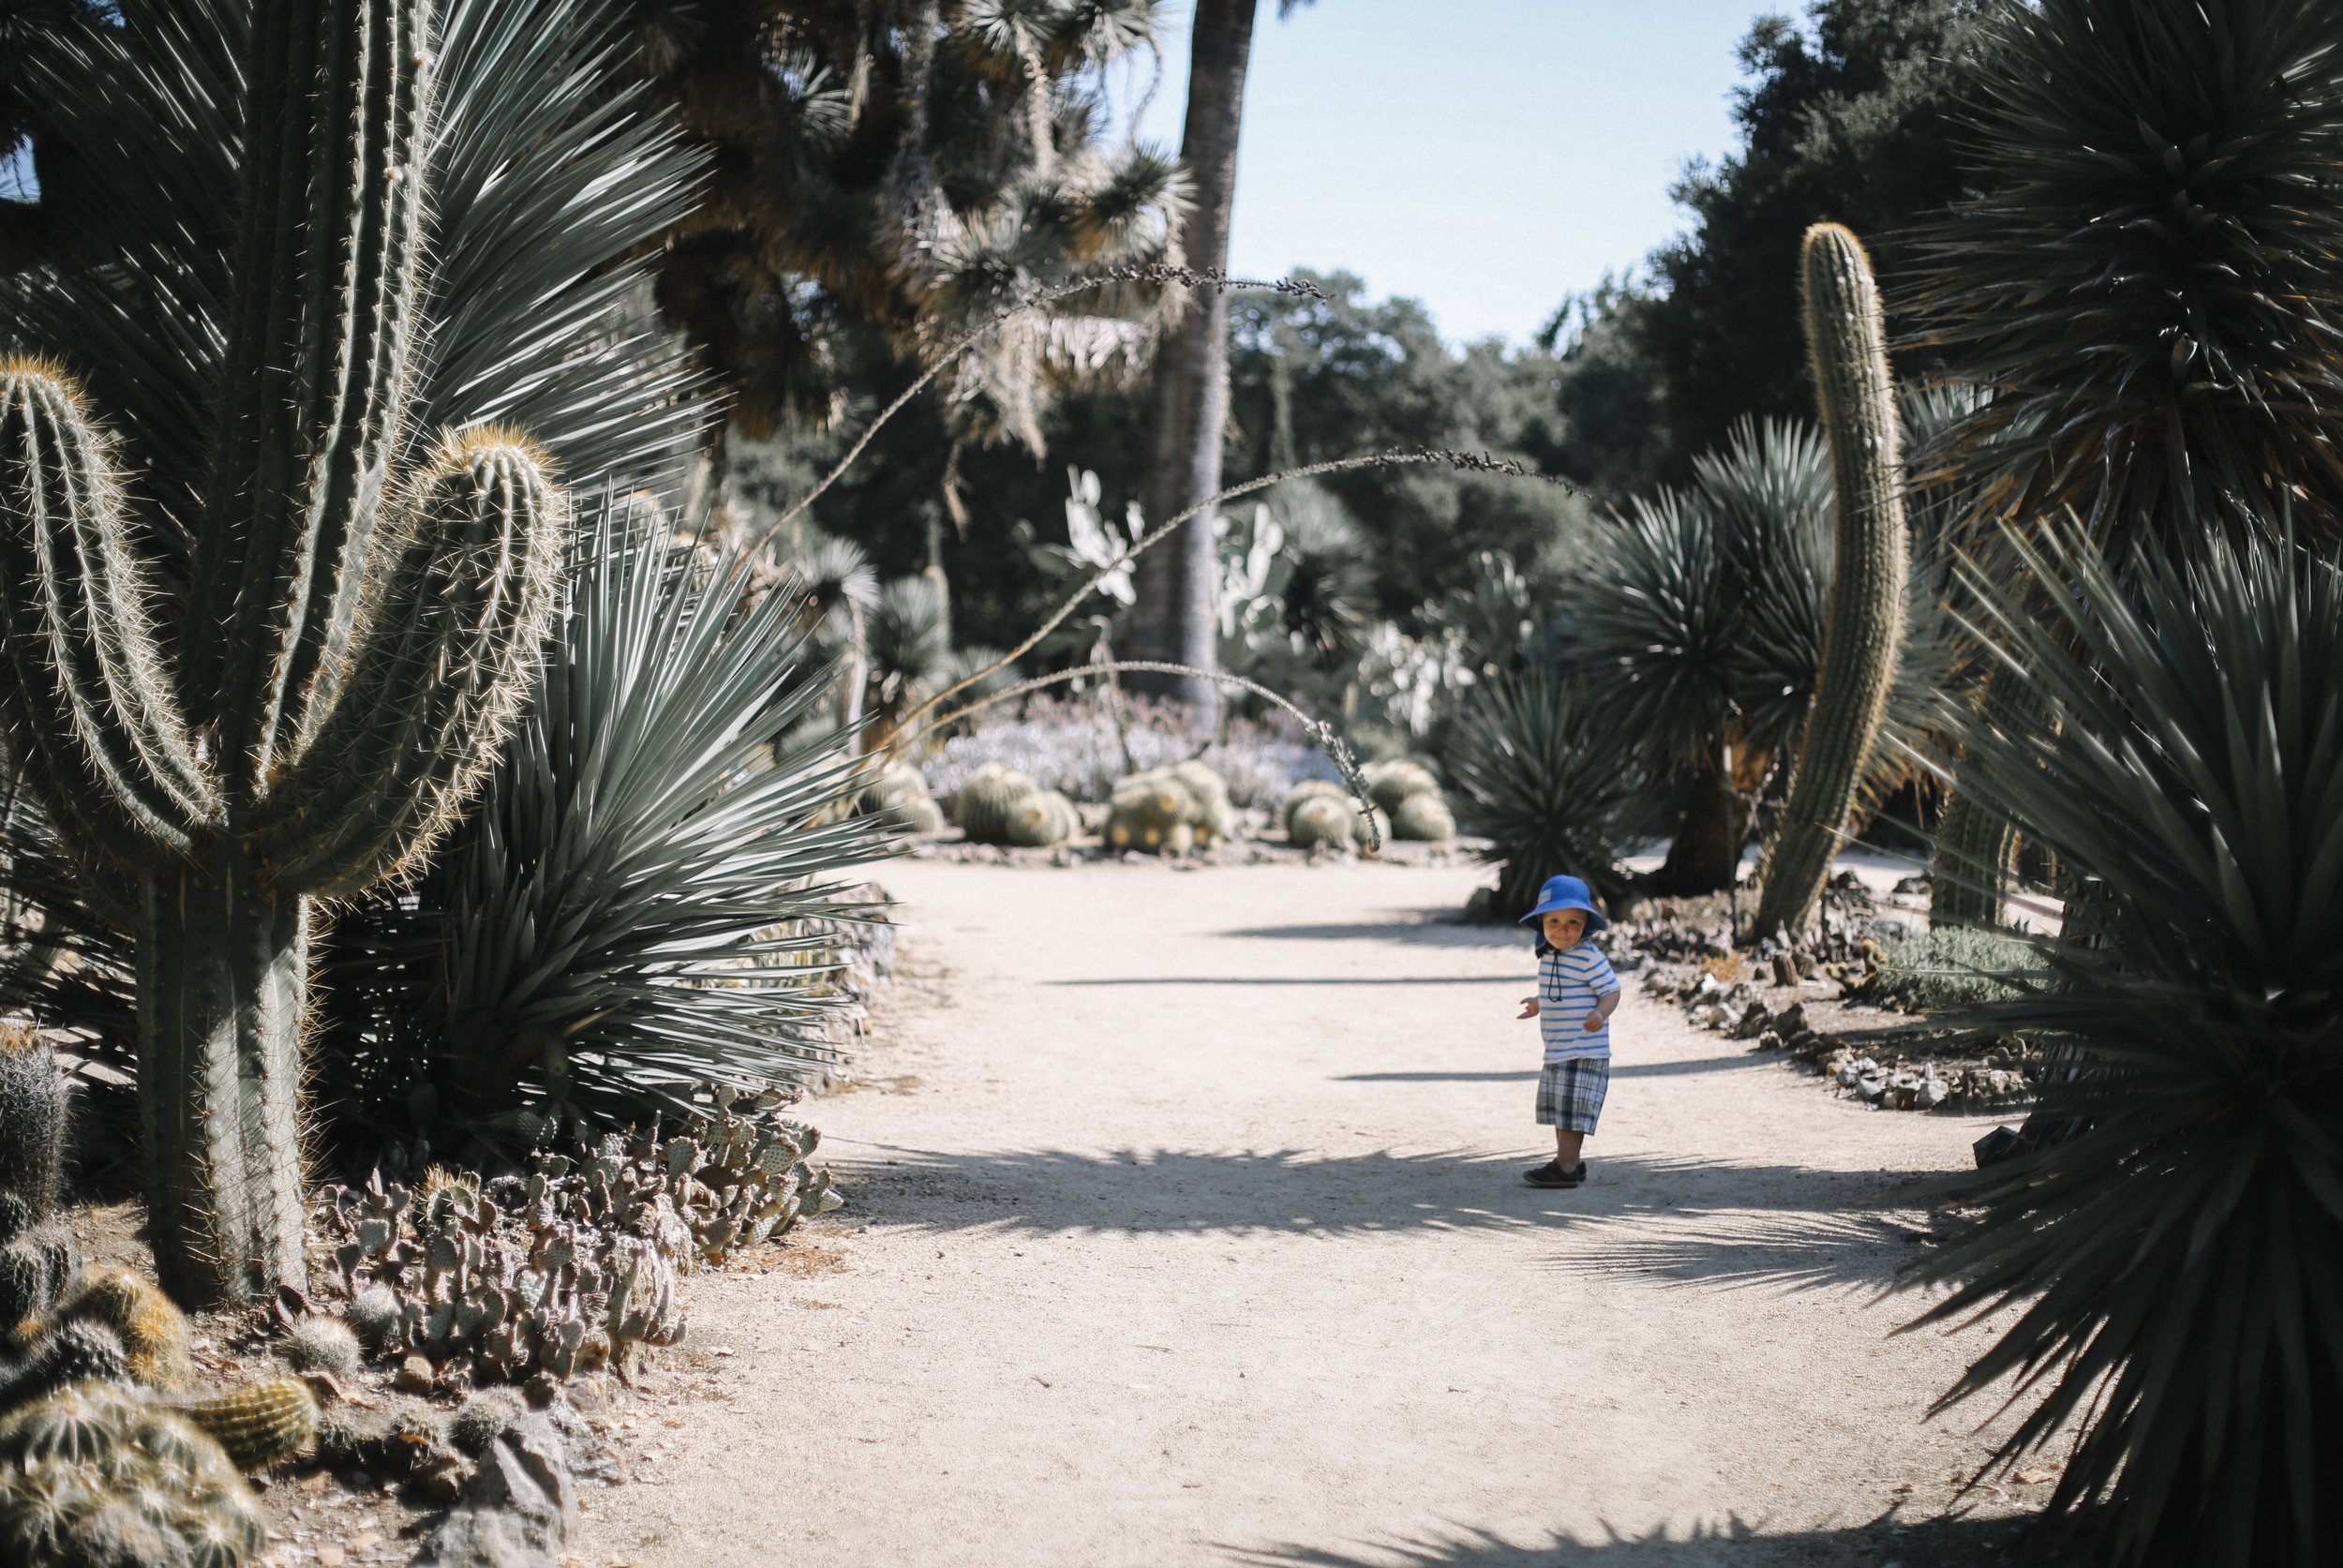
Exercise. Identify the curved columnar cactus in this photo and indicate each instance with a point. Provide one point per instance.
(259, 1425)
(1846, 346)
(351, 645)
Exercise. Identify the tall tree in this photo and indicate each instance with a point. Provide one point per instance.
(1176, 613)
(1852, 120)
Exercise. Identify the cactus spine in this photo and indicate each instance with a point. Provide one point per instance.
(351, 647)
(1846, 346)
(259, 1424)
(34, 1111)
(94, 1474)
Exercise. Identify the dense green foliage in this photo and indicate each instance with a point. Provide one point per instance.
(2172, 1265)
(1852, 119)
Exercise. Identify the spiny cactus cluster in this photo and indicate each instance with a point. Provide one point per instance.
(1001, 805)
(1321, 813)
(573, 1266)
(151, 1332)
(1169, 811)
(37, 1254)
(96, 1474)
(1407, 793)
(900, 795)
(358, 627)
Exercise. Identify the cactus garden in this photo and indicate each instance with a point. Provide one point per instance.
(747, 813)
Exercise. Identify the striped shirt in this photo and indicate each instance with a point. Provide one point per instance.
(1569, 984)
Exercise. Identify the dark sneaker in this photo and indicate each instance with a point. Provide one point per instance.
(1552, 1174)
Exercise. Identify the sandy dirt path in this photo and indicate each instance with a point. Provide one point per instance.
(1186, 1228)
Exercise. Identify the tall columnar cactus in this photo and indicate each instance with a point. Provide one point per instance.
(1846, 347)
(352, 643)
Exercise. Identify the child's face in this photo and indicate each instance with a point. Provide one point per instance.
(1563, 927)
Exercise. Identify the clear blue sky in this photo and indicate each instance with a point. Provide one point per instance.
(1488, 156)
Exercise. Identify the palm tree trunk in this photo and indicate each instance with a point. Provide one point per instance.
(1175, 617)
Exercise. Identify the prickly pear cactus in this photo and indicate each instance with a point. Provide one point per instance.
(95, 1474)
(574, 1267)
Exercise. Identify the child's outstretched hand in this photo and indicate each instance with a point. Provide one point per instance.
(1529, 1007)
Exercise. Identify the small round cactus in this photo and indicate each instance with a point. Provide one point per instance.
(1390, 784)
(373, 1316)
(321, 1344)
(900, 795)
(1308, 789)
(68, 1355)
(1320, 821)
(261, 1424)
(1424, 819)
(95, 1474)
(153, 1333)
(987, 798)
(1041, 819)
(482, 1417)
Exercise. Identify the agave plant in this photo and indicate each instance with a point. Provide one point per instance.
(644, 897)
(2173, 1269)
(1551, 777)
(1704, 595)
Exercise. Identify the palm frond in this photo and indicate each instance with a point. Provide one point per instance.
(2174, 1266)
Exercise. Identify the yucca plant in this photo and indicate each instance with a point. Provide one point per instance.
(2146, 294)
(1551, 776)
(626, 914)
(2173, 1271)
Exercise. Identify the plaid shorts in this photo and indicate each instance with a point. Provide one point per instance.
(1570, 1093)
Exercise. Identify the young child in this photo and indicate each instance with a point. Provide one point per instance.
(1577, 995)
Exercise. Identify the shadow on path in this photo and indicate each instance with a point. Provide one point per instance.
(1345, 981)
(1685, 1220)
(1949, 1541)
(1431, 928)
(1619, 1069)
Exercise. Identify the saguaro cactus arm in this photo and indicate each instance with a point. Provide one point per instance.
(329, 259)
(464, 592)
(85, 685)
(1847, 344)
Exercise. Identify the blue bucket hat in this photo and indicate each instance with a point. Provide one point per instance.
(1566, 892)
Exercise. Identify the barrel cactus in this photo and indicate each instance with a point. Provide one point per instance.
(900, 796)
(34, 1116)
(153, 1333)
(1169, 811)
(1846, 346)
(95, 1474)
(1424, 819)
(1408, 795)
(983, 804)
(357, 633)
(260, 1423)
(1043, 818)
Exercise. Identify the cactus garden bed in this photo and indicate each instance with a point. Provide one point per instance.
(1843, 1007)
